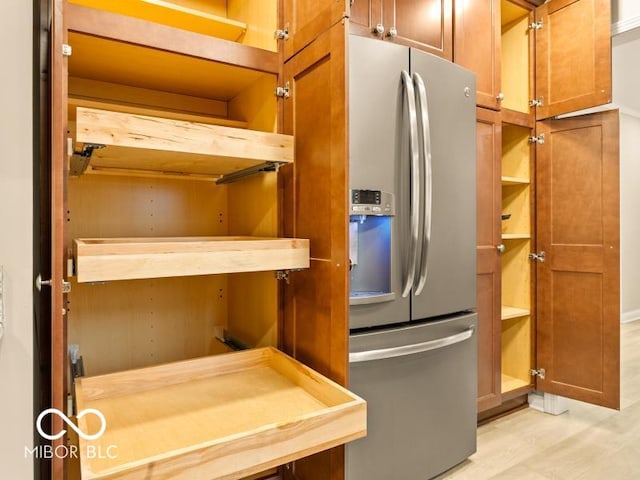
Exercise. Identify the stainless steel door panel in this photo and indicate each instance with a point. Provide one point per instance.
(421, 406)
(452, 262)
(375, 105)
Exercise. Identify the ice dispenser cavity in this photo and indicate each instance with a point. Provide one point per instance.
(370, 215)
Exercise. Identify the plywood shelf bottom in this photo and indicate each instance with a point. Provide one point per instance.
(512, 181)
(225, 416)
(516, 236)
(508, 312)
(510, 383)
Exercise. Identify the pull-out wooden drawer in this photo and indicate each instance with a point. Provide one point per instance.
(220, 417)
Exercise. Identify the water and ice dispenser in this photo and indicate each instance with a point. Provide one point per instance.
(370, 220)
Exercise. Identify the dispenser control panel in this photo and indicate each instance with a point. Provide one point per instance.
(371, 202)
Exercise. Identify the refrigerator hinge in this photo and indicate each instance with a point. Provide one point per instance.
(536, 102)
(536, 25)
(537, 373)
(539, 139)
(282, 33)
(283, 92)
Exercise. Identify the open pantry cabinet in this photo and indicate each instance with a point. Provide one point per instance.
(186, 226)
(549, 59)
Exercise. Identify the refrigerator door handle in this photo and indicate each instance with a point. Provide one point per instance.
(404, 350)
(412, 257)
(425, 136)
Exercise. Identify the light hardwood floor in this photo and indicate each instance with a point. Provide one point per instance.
(586, 443)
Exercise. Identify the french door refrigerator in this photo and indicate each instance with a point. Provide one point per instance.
(412, 234)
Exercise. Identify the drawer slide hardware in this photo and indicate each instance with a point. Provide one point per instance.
(66, 286)
(79, 161)
(540, 373)
(540, 256)
(246, 172)
(284, 274)
(539, 139)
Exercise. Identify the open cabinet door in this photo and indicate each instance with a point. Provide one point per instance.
(58, 68)
(578, 229)
(315, 324)
(573, 56)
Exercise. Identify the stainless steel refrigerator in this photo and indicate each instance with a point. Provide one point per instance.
(412, 233)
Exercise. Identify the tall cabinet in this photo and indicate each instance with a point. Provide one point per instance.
(199, 207)
(533, 62)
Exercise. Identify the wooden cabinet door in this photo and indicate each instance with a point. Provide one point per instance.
(477, 46)
(578, 228)
(58, 79)
(365, 16)
(307, 19)
(423, 24)
(488, 257)
(315, 309)
(573, 56)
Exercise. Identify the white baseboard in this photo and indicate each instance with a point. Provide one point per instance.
(631, 316)
(548, 403)
(625, 25)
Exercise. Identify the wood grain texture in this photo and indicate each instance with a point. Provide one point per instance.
(230, 416)
(103, 259)
(364, 15)
(140, 142)
(261, 17)
(423, 24)
(477, 47)
(308, 19)
(173, 15)
(315, 321)
(488, 258)
(152, 36)
(573, 56)
(579, 283)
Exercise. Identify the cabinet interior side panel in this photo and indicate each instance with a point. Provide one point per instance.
(516, 274)
(261, 17)
(257, 105)
(516, 201)
(515, 64)
(516, 151)
(252, 297)
(516, 352)
(131, 324)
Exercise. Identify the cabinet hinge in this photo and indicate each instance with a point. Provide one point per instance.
(539, 139)
(536, 25)
(537, 373)
(540, 256)
(536, 102)
(66, 50)
(282, 91)
(282, 33)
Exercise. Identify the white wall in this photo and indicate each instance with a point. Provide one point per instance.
(16, 347)
(625, 15)
(630, 216)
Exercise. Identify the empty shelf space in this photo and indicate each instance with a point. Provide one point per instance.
(173, 15)
(516, 236)
(134, 142)
(515, 181)
(510, 383)
(105, 259)
(225, 416)
(513, 312)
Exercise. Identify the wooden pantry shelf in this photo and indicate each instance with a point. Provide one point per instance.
(516, 236)
(145, 143)
(509, 181)
(172, 15)
(221, 417)
(104, 259)
(510, 383)
(508, 312)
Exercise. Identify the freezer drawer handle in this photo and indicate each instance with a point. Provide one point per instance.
(405, 350)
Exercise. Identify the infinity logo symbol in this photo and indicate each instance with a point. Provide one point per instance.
(65, 419)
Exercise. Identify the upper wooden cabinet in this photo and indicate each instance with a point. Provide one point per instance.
(305, 20)
(423, 24)
(555, 58)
